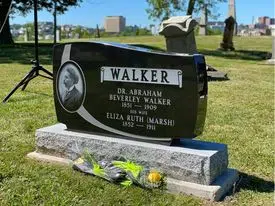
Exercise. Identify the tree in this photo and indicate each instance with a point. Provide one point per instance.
(5, 34)
(163, 9)
(23, 7)
(29, 27)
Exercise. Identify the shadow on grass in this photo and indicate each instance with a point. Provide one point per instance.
(29, 95)
(253, 183)
(237, 54)
(40, 93)
(23, 53)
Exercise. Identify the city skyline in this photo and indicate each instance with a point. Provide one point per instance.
(135, 13)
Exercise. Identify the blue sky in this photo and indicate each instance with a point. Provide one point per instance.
(92, 12)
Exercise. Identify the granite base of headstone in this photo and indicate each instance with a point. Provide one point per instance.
(192, 167)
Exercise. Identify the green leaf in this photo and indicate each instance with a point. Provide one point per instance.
(126, 183)
(129, 166)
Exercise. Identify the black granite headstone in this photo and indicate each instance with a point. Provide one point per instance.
(121, 90)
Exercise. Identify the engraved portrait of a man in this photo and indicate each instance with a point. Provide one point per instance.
(70, 87)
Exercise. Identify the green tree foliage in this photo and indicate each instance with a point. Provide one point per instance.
(163, 9)
(135, 31)
(81, 32)
(30, 28)
(23, 7)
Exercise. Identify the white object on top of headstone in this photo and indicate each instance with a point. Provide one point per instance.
(177, 25)
(179, 34)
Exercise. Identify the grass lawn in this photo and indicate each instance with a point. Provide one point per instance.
(240, 114)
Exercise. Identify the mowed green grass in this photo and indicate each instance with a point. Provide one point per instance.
(240, 114)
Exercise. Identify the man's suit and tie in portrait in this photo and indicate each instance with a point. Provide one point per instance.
(70, 95)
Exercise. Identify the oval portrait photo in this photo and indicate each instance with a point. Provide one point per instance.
(70, 86)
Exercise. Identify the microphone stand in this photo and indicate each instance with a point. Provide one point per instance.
(34, 72)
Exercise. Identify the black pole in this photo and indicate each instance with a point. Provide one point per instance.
(34, 72)
(54, 23)
(35, 33)
(97, 31)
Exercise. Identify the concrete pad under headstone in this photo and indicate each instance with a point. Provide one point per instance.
(213, 192)
(193, 161)
(49, 158)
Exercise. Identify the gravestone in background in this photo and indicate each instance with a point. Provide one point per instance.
(179, 34)
(58, 35)
(227, 42)
(203, 21)
(180, 37)
(26, 35)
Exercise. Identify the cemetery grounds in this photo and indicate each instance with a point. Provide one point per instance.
(240, 114)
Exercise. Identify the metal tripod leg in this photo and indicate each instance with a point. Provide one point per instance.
(27, 81)
(46, 71)
(22, 82)
(37, 68)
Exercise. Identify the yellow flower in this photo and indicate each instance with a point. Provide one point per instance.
(154, 177)
(79, 161)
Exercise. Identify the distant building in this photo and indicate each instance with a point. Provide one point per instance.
(270, 21)
(262, 19)
(254, 32)
(265, 20)
(216, 25)
(114, 24)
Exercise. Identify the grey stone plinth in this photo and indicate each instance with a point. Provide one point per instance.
(192, 161)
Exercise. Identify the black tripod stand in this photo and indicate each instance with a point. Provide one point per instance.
(36, 68)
